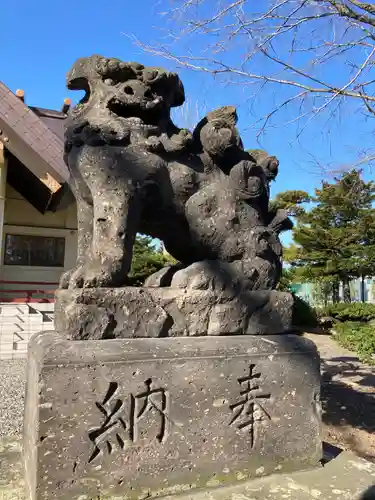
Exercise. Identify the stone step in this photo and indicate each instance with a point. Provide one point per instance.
(13, 311)
(13, 330)
(12, 320)
(10, 337)
(21, 322)
(44, 307)
(345, 477)
(26, 320)
(18, 322)
(7, 309)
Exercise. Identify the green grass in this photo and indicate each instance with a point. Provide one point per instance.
(358, 337)
(356, 311)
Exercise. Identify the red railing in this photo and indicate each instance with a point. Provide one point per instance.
(27, 295)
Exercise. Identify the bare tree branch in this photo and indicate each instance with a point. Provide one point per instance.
(369, 108)
(368, 7)
(221, 68)
(291, 46)
(345, 11)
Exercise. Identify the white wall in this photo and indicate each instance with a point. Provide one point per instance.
(22, 218)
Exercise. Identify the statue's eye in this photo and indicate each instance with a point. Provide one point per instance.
(150, 75)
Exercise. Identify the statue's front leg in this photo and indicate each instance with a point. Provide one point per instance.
(116, 216)
(74, 277)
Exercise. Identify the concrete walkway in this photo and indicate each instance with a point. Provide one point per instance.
(348, 398)
(344, 478)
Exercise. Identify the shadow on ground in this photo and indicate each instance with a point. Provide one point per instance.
(348, 400)
(347, 366)
(369, 494)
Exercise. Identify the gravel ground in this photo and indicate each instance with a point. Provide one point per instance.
(12, 393)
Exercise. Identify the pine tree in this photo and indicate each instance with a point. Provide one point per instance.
(291, 201)
(336, 238)
(147, 259)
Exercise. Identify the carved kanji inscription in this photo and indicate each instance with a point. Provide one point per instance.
(249, 408)
(120, 426)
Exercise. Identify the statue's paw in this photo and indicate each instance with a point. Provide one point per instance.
(259, 274)
(94, 281)
(99, 275)
(77, 277)
(211, 275)
(163, 277)
(65, 279)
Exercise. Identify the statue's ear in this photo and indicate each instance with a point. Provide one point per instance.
(257, 154)
(82, 71)
(178, 91)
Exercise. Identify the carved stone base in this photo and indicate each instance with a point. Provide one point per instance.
(130, 312)
(141, 418)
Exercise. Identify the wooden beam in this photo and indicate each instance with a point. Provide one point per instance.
(3, 138)
(49, 181)
(41, 149)
(3, 186)
(20, 94)
(66, 105)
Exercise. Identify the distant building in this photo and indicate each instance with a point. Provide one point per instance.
(307, 291)
(38, 220)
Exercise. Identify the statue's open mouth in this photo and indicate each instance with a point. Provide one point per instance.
(148, 113)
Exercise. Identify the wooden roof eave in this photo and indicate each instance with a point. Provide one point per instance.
(26, 136)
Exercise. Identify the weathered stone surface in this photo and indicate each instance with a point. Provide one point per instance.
(113, 413)
(344, 477)
(162, 278)
(105, 313)
(11, 470)
(147, 417)
(199, 192)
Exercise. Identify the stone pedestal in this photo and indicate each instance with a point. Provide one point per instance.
(138, 418)
(130, 312)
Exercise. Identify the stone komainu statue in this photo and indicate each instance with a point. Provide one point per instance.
(132, 170)
(122, 418)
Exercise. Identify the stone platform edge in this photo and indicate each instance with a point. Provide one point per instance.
(137, 312)
(52, 346)
(346, 477)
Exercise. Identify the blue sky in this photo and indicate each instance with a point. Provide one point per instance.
(40, 41)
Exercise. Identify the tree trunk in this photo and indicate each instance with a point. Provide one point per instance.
(346, 290)
(335, 292)
(363, 298)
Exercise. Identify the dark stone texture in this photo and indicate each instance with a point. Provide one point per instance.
(199, 192)
(133, 170)
(344, 476)
(111, 413)
(149, 417)
(130, 312)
